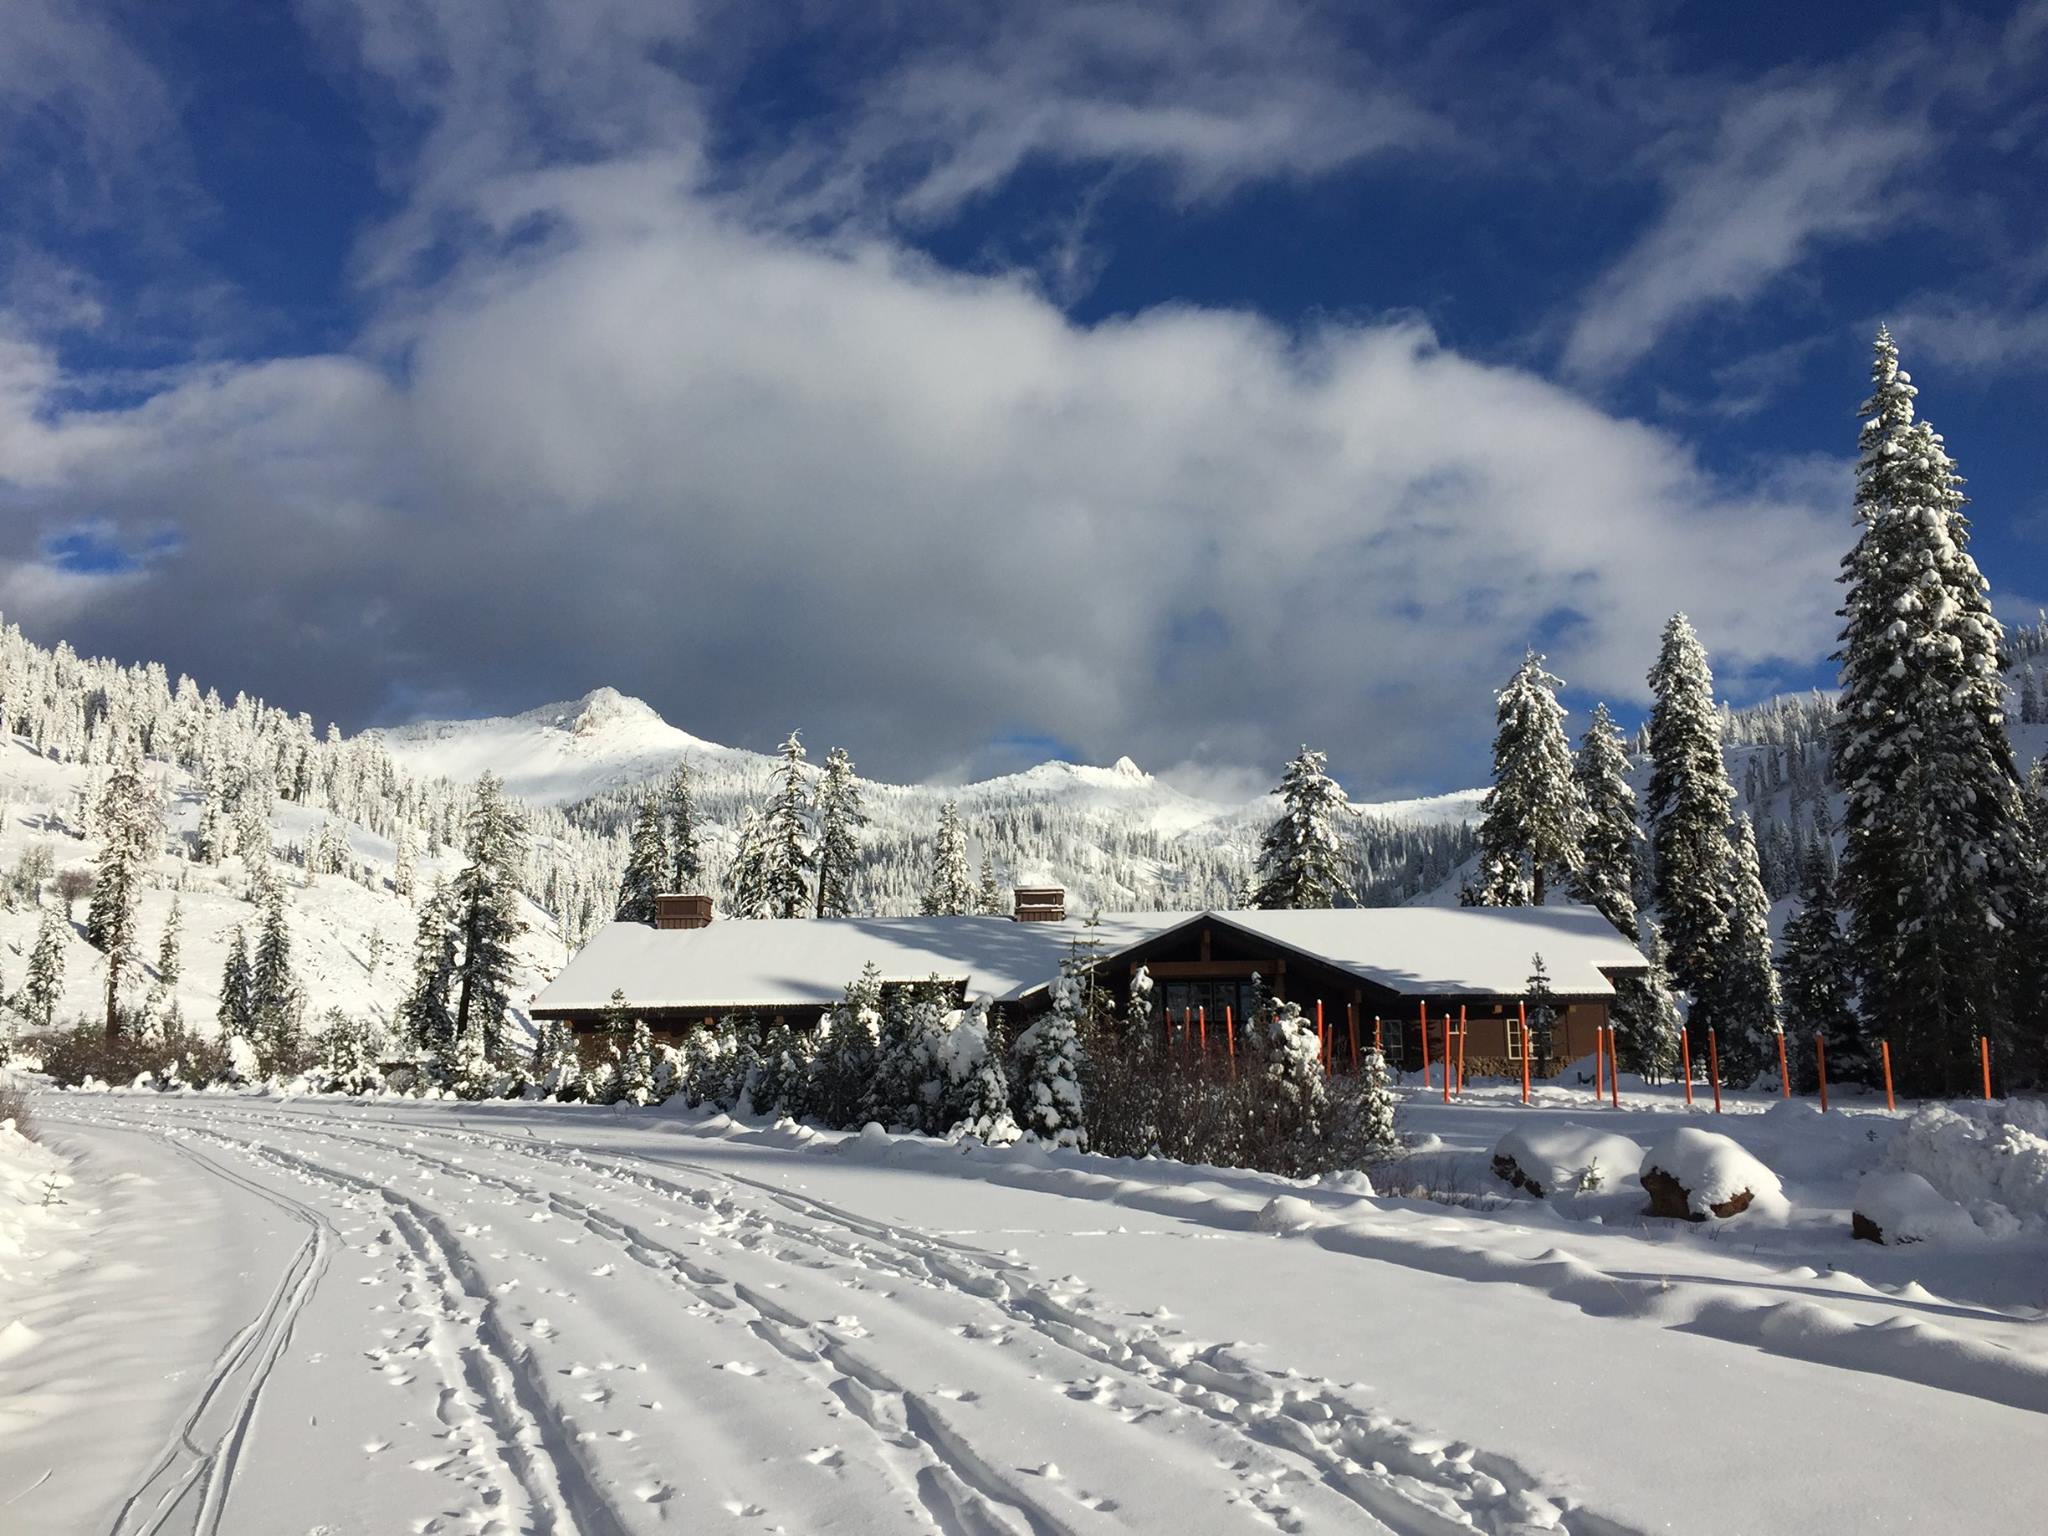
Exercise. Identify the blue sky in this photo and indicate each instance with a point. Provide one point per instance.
(963, 382)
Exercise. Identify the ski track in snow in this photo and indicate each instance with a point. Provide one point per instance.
(529, 1263)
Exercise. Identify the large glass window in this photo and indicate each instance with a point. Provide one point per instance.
(1189, 1000)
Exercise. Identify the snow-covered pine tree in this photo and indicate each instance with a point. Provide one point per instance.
(686, 861)
(169, 962)
(1608, 868)
(1376, 1128)
(1292, 1094)
(237, 1015)
(44, 984)
(1817, 980)
(1645, 1018)
(275, 1006)
(1690, 803)
(1744, 985)
(1540, 1010)
(130, 821)
(1935, 828)
(487, 920)
(468, 1072)
(988, 896)
(746, 878)
(1301, 858)
(636, 1065)
(557, 1066)
(404, 869)
(840, 817)
(786, 874)
(949, 889)
(984, 1100)
(844, 1066)
(1532, 824)
(1048, 1068)
(424, 1017)
(348, 1056)
(647, 866)
(210, 844)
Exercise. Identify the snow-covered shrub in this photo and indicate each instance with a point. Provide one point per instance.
(557, 1071)
(1991, 1159)
(349, 1054)
(978, 1096)
(1049, 1065)
(1714, 1175)
(468, 1072)
(843, 1068)
(1290, 1111)
(670, 1068)
(636, 1067)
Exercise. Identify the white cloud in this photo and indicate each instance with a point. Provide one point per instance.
(1792, 166)
(763, 482)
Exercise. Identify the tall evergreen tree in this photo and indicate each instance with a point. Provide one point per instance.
(1646, 1021)
(786, 838)
(647, 866)
(1690, 803)
(746, 878)
(1300, 859)
(130, 821)
(1532, 823)
(1608, 868)
(425, 1016)
(1934, 822)
(949, 889)
(237, 1016)
(988, 896)
(487, 919)
(274, 1003)
(1816, 977)
(840, 818)
(1744, 984)
(686, 861)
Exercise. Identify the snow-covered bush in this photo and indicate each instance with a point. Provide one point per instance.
(1991, 1159)
(1049, 1065)
(636, 1067)
(843, 1068)
(557, 1066)
(349, 1053)
(978, 1095)
(1290, 1112)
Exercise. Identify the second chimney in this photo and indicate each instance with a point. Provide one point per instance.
(674, 911)
(1041, 904)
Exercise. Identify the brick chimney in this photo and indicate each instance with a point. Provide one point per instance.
(1041, 904)
(675, 911)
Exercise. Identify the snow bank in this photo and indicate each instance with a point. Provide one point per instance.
(1553, 1157)
(1905, 1208)
(1991, 1159)
(32, 1178)
(1713, 1170)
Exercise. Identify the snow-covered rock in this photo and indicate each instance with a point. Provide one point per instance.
(1547, 1156)
(1893, 1206)
(1695, 1174)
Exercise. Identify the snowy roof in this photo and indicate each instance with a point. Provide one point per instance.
(1417, 951)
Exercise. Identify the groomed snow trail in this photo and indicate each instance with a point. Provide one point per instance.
(505, 1329)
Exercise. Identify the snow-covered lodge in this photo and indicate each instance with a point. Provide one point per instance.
(1379, 970)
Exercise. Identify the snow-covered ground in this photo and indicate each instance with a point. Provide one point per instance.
(322, 1315)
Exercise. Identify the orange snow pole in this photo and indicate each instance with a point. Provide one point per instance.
(1884, 1049)
(1461, 1050)
(1351, 1016)
(1599, 1067)
(1202, 1016)
(1322, 1039)
(1525, 1060)
(1424, 1010)
(1820, 1062)
(1984, 1049)
(1714, 1067)
(1447, 1056)
(1378, 1036)
(1613, 1070)
(1784, 1071)
(1230, 1036)
(1685, 1062)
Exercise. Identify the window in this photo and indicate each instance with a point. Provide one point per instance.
(1514, 1040)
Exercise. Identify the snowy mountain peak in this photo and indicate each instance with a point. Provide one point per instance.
(1124, 768)
(595, 711)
